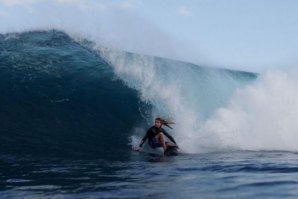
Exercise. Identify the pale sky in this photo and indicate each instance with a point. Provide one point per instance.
(251, 35)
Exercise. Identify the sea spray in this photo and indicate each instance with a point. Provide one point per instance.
(261, 116)
(187, 93)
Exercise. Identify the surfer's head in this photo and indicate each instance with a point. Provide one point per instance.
(158, 122)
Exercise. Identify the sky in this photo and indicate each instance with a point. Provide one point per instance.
(251, 35)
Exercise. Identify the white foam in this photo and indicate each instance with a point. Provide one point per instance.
(261, 116)
(187, 94)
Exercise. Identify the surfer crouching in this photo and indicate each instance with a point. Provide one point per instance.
(156, 135)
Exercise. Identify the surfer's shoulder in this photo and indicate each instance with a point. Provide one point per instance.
(153, 129)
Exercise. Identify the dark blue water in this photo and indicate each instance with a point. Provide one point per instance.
(210, 175)
(65, 124)
(60, 99)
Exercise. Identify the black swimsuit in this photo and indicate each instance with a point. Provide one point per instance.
(151, 136)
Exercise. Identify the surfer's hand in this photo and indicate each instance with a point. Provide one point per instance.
(136, 148)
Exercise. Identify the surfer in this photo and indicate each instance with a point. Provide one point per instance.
(156, 135)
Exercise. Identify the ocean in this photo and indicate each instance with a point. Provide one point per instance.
(71, 111)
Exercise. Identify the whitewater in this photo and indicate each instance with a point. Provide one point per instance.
(214, 108)
(75, 98)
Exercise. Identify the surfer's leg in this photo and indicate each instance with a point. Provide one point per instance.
(170, 144)
(161, 139)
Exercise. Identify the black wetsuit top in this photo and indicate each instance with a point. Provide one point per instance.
(152, 132)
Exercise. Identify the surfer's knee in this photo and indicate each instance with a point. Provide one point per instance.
(160, 135)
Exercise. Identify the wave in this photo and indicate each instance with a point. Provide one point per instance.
(67, 95)
(60, 96)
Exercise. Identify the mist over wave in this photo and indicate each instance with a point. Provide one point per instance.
(112, 24)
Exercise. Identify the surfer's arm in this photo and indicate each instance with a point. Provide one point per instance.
(143, 140)
(141, 143)
(170, 137)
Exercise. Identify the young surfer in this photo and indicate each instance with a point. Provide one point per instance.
(156, 135)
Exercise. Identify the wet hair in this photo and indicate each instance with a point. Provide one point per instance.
(165, 122)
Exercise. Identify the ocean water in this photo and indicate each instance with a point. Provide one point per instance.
(71, 110)
(209, 175)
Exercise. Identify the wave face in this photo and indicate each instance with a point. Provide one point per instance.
(59, 98)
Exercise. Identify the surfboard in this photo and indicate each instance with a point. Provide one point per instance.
(171, 151)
